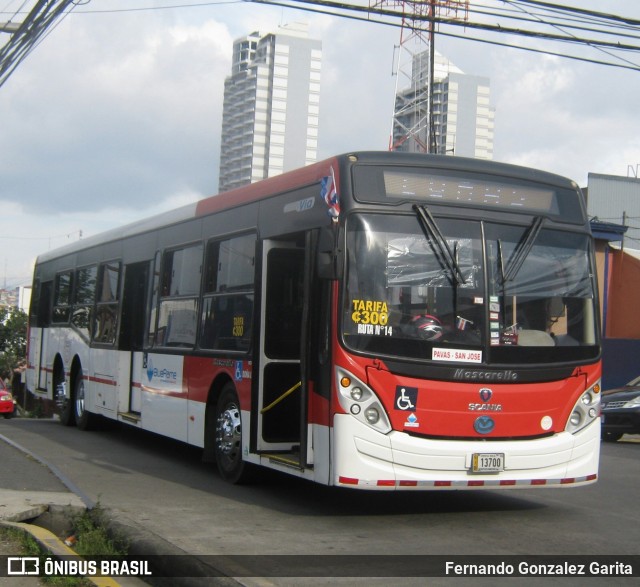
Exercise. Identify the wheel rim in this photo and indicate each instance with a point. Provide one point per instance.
(80, 398)
(228, 435)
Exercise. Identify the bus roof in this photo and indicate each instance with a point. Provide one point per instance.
(294, 179)
(210, 205)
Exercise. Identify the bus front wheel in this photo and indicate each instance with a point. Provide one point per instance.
(228, 440)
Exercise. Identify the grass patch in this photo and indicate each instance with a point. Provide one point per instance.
(92, 538)
(23, 544)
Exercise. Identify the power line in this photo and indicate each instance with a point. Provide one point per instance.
(24, 39)
(341, 9)
(600, 31)
(40, 238)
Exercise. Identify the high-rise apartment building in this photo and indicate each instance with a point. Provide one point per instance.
(462, 116)
(271, 106)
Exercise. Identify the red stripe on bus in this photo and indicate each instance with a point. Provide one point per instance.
(386, 483)
(101, 380)
(267, 187)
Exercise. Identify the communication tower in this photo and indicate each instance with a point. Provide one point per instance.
(412, 123)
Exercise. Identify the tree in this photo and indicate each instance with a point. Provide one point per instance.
(13, 339)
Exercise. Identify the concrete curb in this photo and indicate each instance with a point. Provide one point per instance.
(52, 544)
(178, 566)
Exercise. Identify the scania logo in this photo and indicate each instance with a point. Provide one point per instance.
(485, 407)
(484, 425)
(485, 394)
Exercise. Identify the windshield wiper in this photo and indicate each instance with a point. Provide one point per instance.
(433, 234)
(501, 262)
(522, 250)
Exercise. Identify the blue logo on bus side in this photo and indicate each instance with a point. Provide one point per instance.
(238, 374)
(149, 370)
(484, 425)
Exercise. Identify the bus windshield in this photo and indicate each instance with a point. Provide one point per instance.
(470, 291)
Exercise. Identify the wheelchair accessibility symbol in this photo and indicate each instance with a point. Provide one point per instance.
(406, 398)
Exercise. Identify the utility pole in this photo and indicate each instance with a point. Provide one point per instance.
(412, 126)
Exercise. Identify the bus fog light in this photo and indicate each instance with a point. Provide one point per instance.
(372, 415)
(587, 399)
(576, 418)
(593, 413)
(355, 409)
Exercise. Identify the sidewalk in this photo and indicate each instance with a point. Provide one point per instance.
(29, 489)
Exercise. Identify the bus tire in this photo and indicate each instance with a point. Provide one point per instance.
(84, 419)
(65, 405)
(228, 437)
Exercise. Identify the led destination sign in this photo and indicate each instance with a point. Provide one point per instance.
(403, 184)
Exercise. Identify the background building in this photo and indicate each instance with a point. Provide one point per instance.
(613, 203)
(271, 106)
(463, 118)
(615, 198)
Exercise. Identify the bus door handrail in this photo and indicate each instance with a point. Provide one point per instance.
(279, 399)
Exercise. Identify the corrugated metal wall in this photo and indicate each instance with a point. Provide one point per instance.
(610, 197)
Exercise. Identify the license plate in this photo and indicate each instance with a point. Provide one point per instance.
(487, 462)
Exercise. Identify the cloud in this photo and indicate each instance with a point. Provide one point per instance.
(116, 116)
(98, 118)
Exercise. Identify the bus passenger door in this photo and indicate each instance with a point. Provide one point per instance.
(280, 391)
(39, 345)
(132, 328)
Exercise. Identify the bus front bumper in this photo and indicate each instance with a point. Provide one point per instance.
(366, 459)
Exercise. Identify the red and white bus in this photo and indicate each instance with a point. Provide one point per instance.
(376, 321)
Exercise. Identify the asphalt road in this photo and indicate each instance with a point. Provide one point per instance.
(163, 486)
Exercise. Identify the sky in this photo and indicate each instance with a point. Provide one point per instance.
(116, 115)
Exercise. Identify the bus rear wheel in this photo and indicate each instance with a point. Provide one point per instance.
(63, 403)
(84, 419)
(228, 438)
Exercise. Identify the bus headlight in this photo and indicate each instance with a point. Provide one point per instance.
(372, 415)
(586, 410)
(361, 402)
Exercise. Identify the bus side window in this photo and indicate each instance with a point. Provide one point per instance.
(107, 303)
(227, 308)
(62, 297)
(153, 337)
(40, 311)
(180, 287)
(84, 298)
